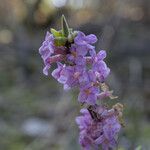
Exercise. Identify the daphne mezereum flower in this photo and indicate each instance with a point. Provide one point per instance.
(99, 66)
(83, 40)
(76, 75)
(78, 65)
(99, 131)
(88, 94)
(47, 50)
(60, 73)
(76, 55)
(84, 43)
(72, 70)
(76, 60)
(90, 89)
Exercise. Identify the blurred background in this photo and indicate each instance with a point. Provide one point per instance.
(35, 112)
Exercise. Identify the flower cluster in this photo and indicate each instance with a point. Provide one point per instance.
(99, 126)
(75, 71)
(78, 65)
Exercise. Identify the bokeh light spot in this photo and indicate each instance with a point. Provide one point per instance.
(5, 36)
(59, 3)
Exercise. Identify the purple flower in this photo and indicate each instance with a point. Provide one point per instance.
(85, 125)
(76, 75)
(82, 39)
(89, 90)
(76, 55)
(100, 56)
(88, 94)
(99, 66)
(47, 48)
(46, 68)
(92, 76)
(111, 127)
(96, 132)
(98, 126)
(60, 73)
(101, 70)
(83, 42)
